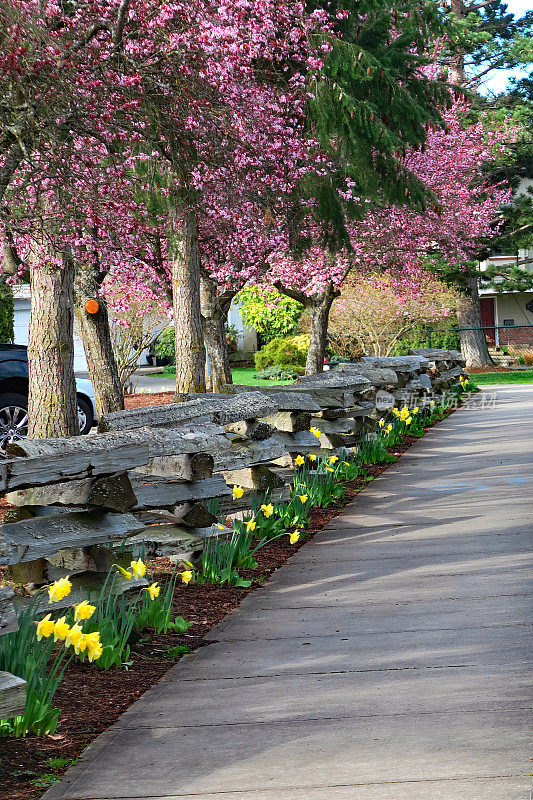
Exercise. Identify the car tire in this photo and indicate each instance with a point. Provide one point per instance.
(85, 415)
(13, 419)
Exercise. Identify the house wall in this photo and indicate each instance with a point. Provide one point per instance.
(21, 299)
(247, 336)
(510, 308)
(513, 307)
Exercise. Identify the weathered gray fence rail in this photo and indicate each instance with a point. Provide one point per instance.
(141, 484)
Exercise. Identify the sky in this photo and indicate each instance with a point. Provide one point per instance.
(497, 80)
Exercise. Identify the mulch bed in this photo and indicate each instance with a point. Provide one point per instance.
(91, 699)
(147, 399)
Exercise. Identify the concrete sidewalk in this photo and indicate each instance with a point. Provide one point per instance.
(386, 661)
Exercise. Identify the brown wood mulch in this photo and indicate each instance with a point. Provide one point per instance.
(91, 699)
(147, 399)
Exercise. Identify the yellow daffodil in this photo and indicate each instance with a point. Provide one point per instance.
(61, 629)
(124, 572)
(267, 510)
(415, 410)
(83, 610)
(330, 469)
(45, 627)
(93, 645)
(312, 457)
(81, 645)
(346, 463)
(138, 568)
(95, 652)
(431, 403)
(381, 423)
(250, 525)
(408, 420)
(395, 412)
(153, 590)
(388, 429)
(465, 383)
(59, 589)
(238, 492)
(74, 636)
(299, 461)
(315, 432)
(293, 537)
(303, 498)
(186, 576)
(220, 527)
(333, 459)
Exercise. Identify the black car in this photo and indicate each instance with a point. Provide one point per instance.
(14, 396)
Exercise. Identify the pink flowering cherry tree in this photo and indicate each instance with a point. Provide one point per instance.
(460, 215)
(127, 101)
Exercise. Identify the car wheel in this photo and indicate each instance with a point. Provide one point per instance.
(13, 419)
(85, 415)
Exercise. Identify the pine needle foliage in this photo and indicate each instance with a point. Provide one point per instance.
(373, 99)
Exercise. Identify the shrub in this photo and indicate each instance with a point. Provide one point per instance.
(165, 345)
(287, 373)
(523, 356)
(377, 315)
(445, 339)
(271, 314)
(290, 352)
(232, 338)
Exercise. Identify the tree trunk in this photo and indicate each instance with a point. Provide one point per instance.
(319, 306)
(473, 343)
(52, 406)
(190, 350)
(97, 344)
(215, 309)
(457, 60)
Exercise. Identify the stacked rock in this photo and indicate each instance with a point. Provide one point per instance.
(446, 366)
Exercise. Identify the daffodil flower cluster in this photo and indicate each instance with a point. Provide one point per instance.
(72, 635)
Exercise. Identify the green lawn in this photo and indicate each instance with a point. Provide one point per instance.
(243, 375)
(514, 376)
